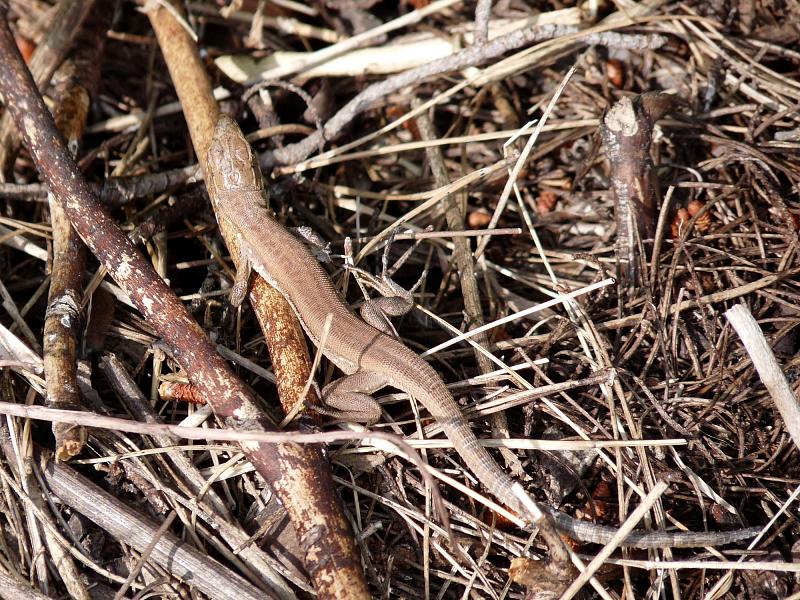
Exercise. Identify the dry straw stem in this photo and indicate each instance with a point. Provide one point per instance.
(465, 265)
(285, 25)
(721, 565)
(89, 419)
(77, 82)
(14, 588)
(329, 550)
(205, 501)
(679, 366)
(768, 368)
(138, 406)
(494, 72)
(355, 41)
(627, 131)
(399, 55)
(474, 55)
(455, 214)
(40, 528)
(175, 556)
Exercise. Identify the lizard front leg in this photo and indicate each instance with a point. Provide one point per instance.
(395, 300)
(241, 284)
(349, 398)
(319, 247)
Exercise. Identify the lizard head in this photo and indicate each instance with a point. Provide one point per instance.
(232, 164)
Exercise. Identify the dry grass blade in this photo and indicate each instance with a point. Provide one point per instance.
(768, 368)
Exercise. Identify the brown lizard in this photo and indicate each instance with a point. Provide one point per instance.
(370, 358)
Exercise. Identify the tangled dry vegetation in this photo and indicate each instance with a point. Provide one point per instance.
(480, 141)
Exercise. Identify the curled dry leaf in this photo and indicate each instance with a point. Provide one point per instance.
(181, 392)
(394, 112)
(26, 48)
(601, 495)
(706, 282)
(684, 215)
(494, 519)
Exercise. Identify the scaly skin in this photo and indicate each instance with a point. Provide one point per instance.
(373, 359)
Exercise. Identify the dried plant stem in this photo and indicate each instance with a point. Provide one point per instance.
(63, 318)
(483, 12)
(474, 55)
(177, 557)
(356, 41)
(138, 406)
(19, 457)
(627, 130)
(188, 476)
(14, 588)
(199, 433)
(78, 80)
(455, 215)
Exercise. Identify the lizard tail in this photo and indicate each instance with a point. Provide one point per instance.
(426, 386)
(430, 390)
(592, 533)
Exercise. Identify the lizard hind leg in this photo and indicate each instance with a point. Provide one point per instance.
(395, 300)
(349, 398)
(377, 311)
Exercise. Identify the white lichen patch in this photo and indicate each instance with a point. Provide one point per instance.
(29, 125)
(246, 412)
(622, 118)
(124, 269)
